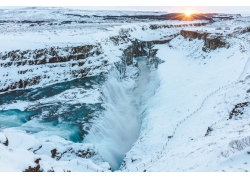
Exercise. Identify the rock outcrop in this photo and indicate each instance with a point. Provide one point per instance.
(238, 109)
(194, 34)
(211, 41)
(44, 66)
(140, 48)
(5, 142)
(47, 55)
(3, 139)
(29, 62)
(143, 48)
(34, 169)
(245, 30)
(82, 153)
(156, 26)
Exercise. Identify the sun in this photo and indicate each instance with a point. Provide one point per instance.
(188, 13)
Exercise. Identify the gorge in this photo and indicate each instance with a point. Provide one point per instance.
(86, 91)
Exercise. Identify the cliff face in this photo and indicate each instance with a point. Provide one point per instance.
(245, 30)
(46, 55)
(194, 34)
(143, 48)
(211, 41)
(37, 67)
(156, 26)
(42, 66)
(33, 66)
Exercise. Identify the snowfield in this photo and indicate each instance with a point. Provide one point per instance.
(194, 94)
(189, 113)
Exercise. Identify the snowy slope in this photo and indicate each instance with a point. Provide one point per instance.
(197, 92)
(184, 106)
(32, 43)
(57, 154)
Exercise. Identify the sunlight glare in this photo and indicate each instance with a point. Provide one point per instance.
(188, 13)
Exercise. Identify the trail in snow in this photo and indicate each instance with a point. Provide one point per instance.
(181, 126)
(244, 73)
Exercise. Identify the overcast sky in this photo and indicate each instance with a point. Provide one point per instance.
(237, 6)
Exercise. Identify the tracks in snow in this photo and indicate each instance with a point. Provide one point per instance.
(181, 123)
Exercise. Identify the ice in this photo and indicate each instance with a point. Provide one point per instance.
(157, 121)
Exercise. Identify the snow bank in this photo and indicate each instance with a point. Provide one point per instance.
(189, 100)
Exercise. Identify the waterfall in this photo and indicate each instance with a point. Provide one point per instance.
(117, 128)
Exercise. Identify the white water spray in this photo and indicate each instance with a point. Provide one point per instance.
(118, 128)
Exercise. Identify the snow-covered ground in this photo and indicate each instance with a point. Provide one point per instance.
(43, 37)
(197, 92)
(178, 117)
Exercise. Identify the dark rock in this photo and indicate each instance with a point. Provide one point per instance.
(190, 34)
(20, 84)
(205, 49)
(43, 61)
(209, 129)
(85, 153)
(238, 109)
(53, 60)
(34, 151)
(141, 48)
(37, 160)
(6, 143)
(33, 169)
(53, 153)
(68, 170)
(51, 170)
(245, 30)
(80, 56)
(133, 160)
(46, 56)
(211, 41)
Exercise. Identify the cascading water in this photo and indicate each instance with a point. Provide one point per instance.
(117, 128)
(113, 125)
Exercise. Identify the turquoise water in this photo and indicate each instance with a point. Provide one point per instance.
(14, 117)
(70, 121)
(113, 125)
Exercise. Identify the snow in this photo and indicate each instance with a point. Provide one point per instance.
(74, 36)
(238, 162)
(178, 109)
(71, 96)
(8, 156)
(2, 138)
(25, 144)
(164, 114)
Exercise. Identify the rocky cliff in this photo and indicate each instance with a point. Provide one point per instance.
(32, 66)
(211, 41)
(29, 68)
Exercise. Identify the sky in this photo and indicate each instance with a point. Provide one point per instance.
(212, 6)
(171, 9)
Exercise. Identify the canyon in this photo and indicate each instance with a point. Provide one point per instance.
(146, 92)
